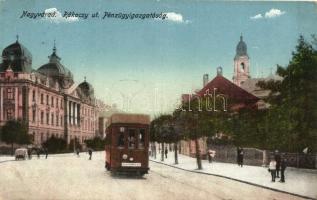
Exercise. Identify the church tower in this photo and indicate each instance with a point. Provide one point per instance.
(241, 63)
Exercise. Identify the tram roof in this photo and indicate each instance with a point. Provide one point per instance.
(129, 118)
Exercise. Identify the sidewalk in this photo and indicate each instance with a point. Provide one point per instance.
(298, 182)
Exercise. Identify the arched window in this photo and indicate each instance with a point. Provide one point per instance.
(242, 67)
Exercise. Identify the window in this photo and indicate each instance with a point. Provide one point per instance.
(42, 117)
(131, 139)
(10, 113)
(141, 138)
(52, 101)
(62, 103)
(121, 140)
(47, 100)
(33, 115)
(10, 93)
(52, 119)
(242, 67)
(57, 120)
(121, 129)
(42, 99)
(61, 120)
(33, 96)
(56, 102)
(47, 118)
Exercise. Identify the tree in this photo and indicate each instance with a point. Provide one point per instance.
(15, 131)
(294, 101)
(196, 123)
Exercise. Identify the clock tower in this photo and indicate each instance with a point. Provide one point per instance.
(241, 63)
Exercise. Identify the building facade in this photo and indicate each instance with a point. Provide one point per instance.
(47, 99)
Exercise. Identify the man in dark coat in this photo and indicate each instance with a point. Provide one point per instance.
(277, 158)
(166, 151)
(283, 167)
(238, 155)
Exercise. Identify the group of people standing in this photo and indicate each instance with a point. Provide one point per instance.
(277, 165)
(38, 152)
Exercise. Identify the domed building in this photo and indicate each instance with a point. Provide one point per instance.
(17, 57)
(47, 99)
(86, 91)
(57, 71)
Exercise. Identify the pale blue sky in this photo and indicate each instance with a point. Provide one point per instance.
(169, 55)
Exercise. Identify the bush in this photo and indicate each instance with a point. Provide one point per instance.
(55, 145)
(96, 143)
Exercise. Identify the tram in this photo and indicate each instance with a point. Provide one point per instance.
(127, 143)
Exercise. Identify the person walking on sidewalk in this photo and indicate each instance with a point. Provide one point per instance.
(90, 153)
(272, 169)
(77, 152)
(240, 156)
(211, 155)
(277, 158)
(166, 151)
(38, 153)
(46, 152)
(283, 167)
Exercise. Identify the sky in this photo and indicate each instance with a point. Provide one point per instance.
(144, 65)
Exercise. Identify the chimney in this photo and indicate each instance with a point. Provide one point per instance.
(205, 79)
(219, 71)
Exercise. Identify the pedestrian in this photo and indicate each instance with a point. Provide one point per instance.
(211, 155)
(77, 152)
(90, 153)
(38, 153)
(283, 167)
(166, 151)
(238, 155)
(29, 153)
(46, 152)
(241, 157)
(277, 158)
(272, 168)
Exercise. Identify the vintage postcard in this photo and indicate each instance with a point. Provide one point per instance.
(157, 99)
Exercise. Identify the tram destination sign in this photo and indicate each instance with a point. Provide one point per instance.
(130, 164)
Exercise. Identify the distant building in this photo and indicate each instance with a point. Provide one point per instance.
(241, 63)
(47, 99)
(243, 89)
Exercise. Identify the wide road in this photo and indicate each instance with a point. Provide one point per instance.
(69, 177)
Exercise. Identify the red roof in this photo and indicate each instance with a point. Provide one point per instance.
(229, 89)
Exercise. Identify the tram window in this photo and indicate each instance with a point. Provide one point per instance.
(141, 138)
(121, 140)
(131, 139)
(121, 129)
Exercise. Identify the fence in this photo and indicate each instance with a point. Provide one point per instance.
(257, 157)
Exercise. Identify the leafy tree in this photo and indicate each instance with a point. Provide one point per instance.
(293, 111)
(15, 131)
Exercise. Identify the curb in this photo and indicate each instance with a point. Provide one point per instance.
(234, 179)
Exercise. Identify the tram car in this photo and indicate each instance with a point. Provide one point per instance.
(127, 143)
